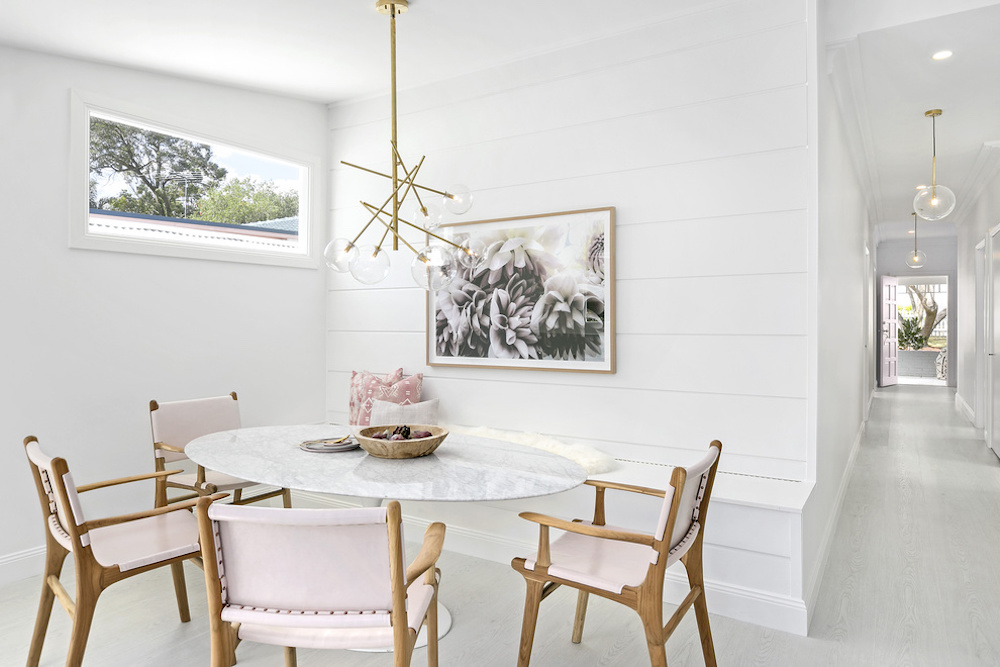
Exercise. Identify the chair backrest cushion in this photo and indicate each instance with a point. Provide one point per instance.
(303, 560)
(179, 422)
(60, 519)
(691, 498)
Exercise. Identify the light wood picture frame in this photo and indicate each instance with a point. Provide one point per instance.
(543, 297)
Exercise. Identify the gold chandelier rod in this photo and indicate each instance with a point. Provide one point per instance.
(377, 215)
(384, 175)
(408, 182)
(395, 164)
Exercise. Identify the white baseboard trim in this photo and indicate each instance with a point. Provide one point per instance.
(744, 604)
(812, 587)
(965, 408)
(21, 565)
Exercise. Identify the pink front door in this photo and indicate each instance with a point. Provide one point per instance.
(889, 335)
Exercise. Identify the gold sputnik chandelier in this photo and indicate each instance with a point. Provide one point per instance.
(436, 265)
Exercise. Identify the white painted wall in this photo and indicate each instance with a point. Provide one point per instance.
(698, 130)
(845, 362)
(974, 228)
(89, 337)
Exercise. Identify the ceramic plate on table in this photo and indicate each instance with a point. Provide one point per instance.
(332, 445)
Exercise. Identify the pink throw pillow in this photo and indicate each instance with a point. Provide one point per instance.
(359, 384)
(392, 388)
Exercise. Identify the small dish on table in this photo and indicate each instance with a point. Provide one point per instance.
(401, 448)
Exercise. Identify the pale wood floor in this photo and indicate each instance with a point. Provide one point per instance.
(912, 580)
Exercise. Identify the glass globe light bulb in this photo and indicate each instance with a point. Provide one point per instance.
(472, 253)
(458, 199)
(370, 265)
(339, 253)
(916, 259)
(934, 202)
(428, 216)
(434, 267)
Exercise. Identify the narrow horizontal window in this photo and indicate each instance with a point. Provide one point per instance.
(156, 190)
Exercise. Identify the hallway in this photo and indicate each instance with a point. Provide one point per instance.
(911, 580)
(912, 576)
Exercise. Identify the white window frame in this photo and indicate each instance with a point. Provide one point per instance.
(83, 103)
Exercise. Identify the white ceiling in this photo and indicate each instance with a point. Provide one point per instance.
(901, 82)
(332, 50)
(321, 50)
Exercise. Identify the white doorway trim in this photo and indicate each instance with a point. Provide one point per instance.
(979, 409)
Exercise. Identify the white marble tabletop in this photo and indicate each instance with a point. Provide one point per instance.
(463, 468)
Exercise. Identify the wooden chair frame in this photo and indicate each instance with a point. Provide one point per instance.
(201, 487)
(92, 578)
(225, 635)
(646, 598)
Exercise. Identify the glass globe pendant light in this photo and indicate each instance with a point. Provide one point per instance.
(937, 201)
(916, 259)
(434, 267)
(370, 265)
(339, 253)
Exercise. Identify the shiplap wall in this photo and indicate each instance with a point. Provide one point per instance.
(695, 130)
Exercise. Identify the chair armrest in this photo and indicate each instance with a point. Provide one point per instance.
(134, 516)
(659, 493)
(125, 480)
(430, 551)
(168, 448)
(587, 529)
(601, 486)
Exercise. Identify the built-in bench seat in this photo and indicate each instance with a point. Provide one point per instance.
(753, 539)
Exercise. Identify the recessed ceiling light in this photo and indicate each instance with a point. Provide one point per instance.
(921, 187)
(909, 231)
(942, 55)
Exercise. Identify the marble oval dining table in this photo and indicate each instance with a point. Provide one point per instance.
(464, 468)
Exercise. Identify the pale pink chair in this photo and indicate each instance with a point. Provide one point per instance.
(104, 550)
(317, 578)
(177, 423)
(627, 566)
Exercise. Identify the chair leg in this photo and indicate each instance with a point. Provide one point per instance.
(581, 616)
(650, 610)
(286, 497)
(432, 632)
(696, 577)
(532, 598)
(223, 652)
(87, 592)
(180, 590)
(55, 556)
(290, 658)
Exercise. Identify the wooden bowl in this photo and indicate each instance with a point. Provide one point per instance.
(401, 449)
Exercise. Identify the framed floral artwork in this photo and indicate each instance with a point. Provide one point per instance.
(539, 295)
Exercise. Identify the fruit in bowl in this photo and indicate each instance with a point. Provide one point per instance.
(401, 441)
(400, 433)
